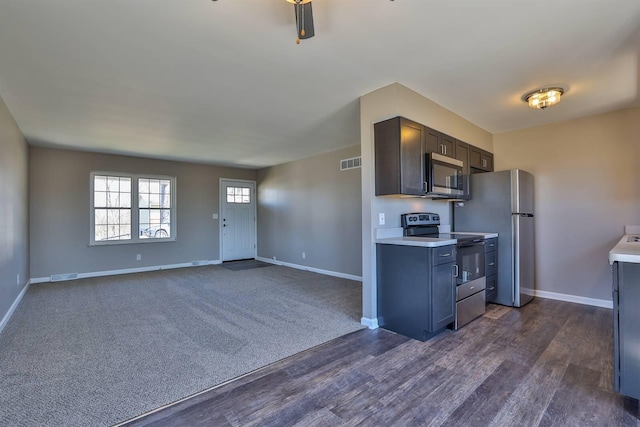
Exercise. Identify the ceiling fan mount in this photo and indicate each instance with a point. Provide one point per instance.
(304, 19)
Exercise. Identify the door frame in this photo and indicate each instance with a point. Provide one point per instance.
(222, 200)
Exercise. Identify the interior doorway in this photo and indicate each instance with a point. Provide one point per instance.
(237, 219)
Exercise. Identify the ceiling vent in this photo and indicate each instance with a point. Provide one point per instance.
(352, 163)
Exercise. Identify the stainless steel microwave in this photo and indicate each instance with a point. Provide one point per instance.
(443, 177)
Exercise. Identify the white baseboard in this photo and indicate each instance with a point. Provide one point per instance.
(312, 269)
(573, 298)
(13, 307)
(369, 323)
(132, 270)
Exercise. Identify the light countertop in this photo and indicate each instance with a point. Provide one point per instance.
(427, 242)
(625, 251)
(485, 235)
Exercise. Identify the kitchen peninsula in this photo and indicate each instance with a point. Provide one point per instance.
(625, 261)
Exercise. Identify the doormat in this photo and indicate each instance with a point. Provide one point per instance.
(245, 264)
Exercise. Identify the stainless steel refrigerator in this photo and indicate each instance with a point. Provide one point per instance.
(502, 202)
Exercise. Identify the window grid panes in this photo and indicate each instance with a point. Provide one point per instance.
(238, 195)
(115, 200)
(112, 207)
(154, 208)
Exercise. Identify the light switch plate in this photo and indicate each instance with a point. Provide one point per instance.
(381, 218)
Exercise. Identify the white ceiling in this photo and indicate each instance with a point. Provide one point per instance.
(225, 83)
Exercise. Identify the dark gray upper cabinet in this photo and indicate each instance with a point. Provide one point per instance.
(480, 160)
(433, 140)
(438, 142)
(448, 146)
(416, 289)
(400, 147)
(399, 157)
(462, 153)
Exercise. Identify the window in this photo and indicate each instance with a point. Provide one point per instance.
(238, 195)
(131, 208)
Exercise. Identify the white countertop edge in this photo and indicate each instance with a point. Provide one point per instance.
(625, 251)
(426, 242)
(486, 235)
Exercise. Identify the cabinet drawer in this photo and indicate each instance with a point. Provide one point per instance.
(444, 254)
(491, 245)
(492, 287)
(491, 263)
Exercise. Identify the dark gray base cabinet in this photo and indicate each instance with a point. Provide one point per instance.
(416, 289)
(491, 269)
(626, 328)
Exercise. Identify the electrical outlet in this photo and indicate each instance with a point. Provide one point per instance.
(139, 257)
(381, 218)
(215, 216)
(304, 255)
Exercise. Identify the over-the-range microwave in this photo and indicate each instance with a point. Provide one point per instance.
(443, 177)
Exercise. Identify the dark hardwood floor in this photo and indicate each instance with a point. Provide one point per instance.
(549, 363)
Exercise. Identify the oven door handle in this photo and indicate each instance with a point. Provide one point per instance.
(474, 243)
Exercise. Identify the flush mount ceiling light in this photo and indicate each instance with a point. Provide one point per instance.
(543, 98)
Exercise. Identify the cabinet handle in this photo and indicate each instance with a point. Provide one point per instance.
(457, 271)
(492, 288)
(471, 287)
(445, 150)
(444, 255)
(491, 264)
(492, 245)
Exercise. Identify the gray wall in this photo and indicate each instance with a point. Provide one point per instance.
(59, 195)
(311, 206)
(14, 210)
(587, 188)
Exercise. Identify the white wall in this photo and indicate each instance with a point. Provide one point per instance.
(391, 101)
(587, 188)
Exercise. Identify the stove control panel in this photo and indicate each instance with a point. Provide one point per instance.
(419, 218)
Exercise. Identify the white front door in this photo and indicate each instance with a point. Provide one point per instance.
(238, 219)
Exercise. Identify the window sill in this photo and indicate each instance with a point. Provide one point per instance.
(131, 242)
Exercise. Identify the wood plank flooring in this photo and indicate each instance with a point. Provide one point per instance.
(549, 363)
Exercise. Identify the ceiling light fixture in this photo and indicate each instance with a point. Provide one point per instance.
(543, 98)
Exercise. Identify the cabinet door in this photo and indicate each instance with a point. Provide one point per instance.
(462, 154)
(443, 296)
(433, 139)
(448, 146)
(475, 157)
(411, 158)
(487, 161)
(399, 157)
(480, 160)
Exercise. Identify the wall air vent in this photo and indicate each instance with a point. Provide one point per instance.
(62, 277)
(352, 163)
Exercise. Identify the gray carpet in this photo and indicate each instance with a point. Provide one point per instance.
(100, 351)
